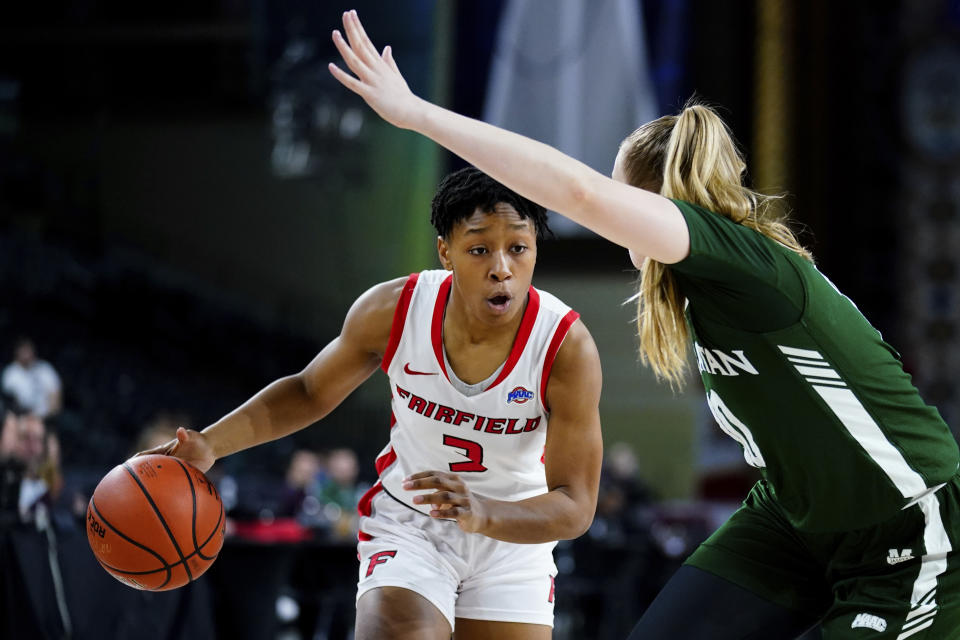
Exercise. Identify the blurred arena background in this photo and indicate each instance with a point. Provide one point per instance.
(189, 204)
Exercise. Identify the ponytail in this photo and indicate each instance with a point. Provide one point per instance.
(690, 157)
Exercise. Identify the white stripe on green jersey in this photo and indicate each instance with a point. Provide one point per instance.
(796, 374)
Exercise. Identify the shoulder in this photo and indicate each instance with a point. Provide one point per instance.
(46, 368)
(48, 374)
(577, 361)
(578, 345)
(381, 297)
(370, 318)
(702, 220)
(567, 322)
(717, 240)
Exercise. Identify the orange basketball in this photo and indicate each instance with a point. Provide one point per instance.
(155, 522)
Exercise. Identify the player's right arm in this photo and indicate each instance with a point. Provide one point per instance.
(296, 401)
(640, 220)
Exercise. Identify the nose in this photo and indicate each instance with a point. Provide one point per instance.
(500, 269)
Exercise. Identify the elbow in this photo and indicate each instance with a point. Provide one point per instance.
(308, 395)
(579, 194)
(583, 199)
(579, 521)
(582, 525)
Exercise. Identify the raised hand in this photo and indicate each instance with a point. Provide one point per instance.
(452, 499)
(376, 77)
(190, 446)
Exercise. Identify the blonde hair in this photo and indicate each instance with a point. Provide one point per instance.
(691, 157)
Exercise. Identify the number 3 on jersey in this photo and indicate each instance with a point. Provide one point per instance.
(736, 429)
(470, 449)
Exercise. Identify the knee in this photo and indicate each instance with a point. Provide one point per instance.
(399, 614)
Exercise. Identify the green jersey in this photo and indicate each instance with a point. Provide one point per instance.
(796, 374)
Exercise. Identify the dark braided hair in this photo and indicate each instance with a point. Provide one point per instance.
(464, 191)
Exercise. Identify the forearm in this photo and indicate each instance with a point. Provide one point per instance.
(554, 515)
(281, 408)
(533, 169)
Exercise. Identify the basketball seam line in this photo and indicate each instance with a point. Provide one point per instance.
(156, 510)
(193, 495)
(196, 545)
(166, 567)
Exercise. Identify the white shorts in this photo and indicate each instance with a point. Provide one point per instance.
(465, 575)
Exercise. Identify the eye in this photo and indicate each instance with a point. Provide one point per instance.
(477, 251)
(518, 248)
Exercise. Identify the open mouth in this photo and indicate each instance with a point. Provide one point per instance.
(499, 303)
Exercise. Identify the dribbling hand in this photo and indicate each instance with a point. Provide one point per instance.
(376, 77)
(190, 446)
(452, 499)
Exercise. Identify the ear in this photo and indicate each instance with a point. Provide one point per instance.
(444, 252)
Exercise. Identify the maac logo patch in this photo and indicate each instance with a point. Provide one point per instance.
(519, 395)
(896, 557)
(869, 621)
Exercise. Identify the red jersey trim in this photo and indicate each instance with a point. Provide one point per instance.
(364, 507)
(385, 461)
(523, 335)
(436, 326)
(519, 343)
(399, 319)
(565, 323)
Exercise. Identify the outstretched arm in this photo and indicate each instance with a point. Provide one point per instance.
(294, 402)
(633, 218)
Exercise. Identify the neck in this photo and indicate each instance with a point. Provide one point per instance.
(476, 348)
(462, 327)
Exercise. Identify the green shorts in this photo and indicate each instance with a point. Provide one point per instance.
(895, 580)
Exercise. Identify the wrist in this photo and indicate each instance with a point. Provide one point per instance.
(419, 116)
(213, 442)
(485, 516)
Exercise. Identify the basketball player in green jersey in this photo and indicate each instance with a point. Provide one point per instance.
(855, 522)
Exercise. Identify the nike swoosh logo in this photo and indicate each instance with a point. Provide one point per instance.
(407, 369)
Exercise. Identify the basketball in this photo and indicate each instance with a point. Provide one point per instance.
(155, 522)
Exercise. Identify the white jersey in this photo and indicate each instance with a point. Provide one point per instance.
(494, 440)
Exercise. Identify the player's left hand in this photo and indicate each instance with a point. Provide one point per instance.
(452, 498)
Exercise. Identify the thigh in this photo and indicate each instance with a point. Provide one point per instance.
(400, 554)
(902, 580)
(398, 614)
(508, 583)
(468, 629)
(697, 605)
(760, 551)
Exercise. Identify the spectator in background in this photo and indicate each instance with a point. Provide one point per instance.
(32, 382)
(622, 497)
(339, 485)
(11, 468)
(301, 480)
(23, 450)
(339, 493)
(623, 470)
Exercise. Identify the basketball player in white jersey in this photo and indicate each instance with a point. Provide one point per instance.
(495, 447)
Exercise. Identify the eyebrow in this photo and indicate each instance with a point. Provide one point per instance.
(516, 226)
